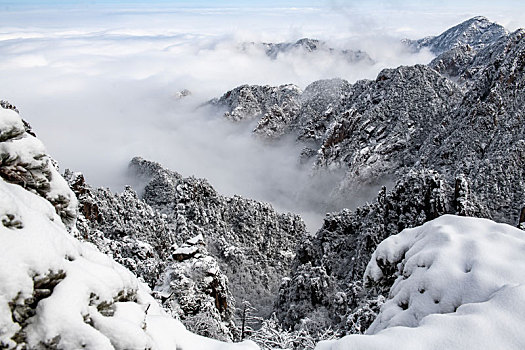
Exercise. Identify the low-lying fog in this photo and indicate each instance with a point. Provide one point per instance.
(99, 85)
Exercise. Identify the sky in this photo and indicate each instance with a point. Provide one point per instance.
(98, 80)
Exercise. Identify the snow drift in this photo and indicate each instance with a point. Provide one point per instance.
(459, 284)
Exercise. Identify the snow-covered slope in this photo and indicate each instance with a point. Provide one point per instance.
(459, 284)
(57, 292)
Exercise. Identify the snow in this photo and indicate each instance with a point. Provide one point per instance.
(460, 285)
(26, 155)
(10, 121)
(191, 250)
(93, 302)
(196, 240)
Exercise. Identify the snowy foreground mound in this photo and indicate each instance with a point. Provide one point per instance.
(460, 285)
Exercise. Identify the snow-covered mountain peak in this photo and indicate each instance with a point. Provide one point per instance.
(476, 32)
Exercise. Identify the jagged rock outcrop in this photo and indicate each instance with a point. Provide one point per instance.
(382, 124)
(306, 46)
(252, 243)
(195, 289)
(319, 102)
(483, 138)
(248, 102)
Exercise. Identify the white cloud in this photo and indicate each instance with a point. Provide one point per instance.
(98, 85)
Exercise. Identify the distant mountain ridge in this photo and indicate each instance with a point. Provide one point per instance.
(309, 46)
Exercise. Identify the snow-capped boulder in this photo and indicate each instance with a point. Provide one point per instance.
(459, 284)
(23, 161)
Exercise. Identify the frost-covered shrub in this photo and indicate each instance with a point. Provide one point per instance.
(271, 336)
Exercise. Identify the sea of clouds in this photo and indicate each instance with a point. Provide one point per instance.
(99, 84)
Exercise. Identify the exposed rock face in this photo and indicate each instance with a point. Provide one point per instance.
(319, 103)
(249, 102)
(382, 124)
(23, 161)
(476, 32)
(483, 138)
